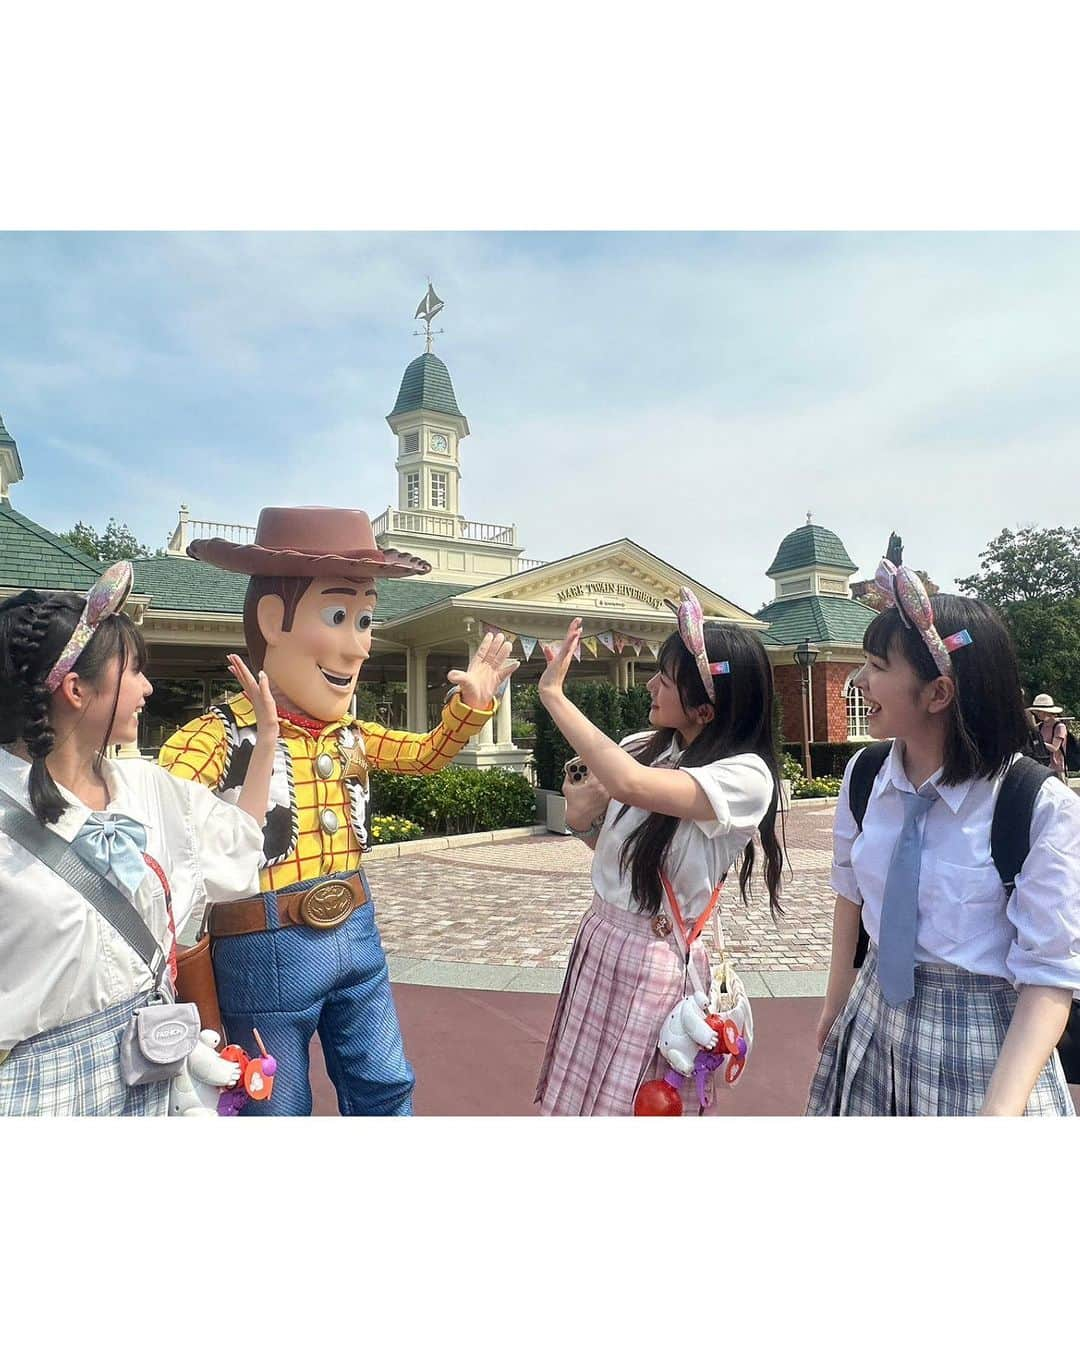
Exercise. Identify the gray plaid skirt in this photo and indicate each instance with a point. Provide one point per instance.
(931, 1057)
(74, 1071)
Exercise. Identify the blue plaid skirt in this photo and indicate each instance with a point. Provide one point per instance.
(74, 1071)
(931, 1057)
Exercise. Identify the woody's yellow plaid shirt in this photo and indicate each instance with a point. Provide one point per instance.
(199, 752)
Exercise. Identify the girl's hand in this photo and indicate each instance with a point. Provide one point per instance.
(259, 695)
(554, 676)
(488, 670)
(826, 1020)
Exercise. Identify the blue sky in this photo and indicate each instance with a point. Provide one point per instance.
(695, 392)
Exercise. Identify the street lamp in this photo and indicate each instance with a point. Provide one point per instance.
(805, 655)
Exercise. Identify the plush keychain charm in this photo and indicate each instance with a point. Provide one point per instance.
(256, 1078)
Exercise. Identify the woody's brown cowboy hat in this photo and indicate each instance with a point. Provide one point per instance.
(309, 540)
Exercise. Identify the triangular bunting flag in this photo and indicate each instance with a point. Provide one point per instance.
(528, 645)
(620, 642)
(489, 630)
(654, 648)
(589, 642)
(637, 643)
(577, 651)
(510, 636)
(607, 639)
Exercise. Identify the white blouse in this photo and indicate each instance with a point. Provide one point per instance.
(739, 789)
(60, 960)
(964, 917)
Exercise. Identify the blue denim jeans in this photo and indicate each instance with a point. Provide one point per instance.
(293, 982)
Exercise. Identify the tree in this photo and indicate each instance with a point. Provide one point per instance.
(1028, 564)
(117, 543)
(1046, 633)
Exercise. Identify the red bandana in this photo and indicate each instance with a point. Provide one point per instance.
(315, 727)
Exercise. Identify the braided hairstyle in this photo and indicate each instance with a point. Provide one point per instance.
(34, 628)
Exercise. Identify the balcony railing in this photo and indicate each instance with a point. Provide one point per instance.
(444, 526)
(390, 521)
(188, 529)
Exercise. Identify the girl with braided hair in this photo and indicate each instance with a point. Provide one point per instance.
(71, 685)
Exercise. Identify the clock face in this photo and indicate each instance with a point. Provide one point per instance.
(439, 443)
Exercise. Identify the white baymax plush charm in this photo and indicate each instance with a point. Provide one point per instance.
(194, 1093)
(684, 1032)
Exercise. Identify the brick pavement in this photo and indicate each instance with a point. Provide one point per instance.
(519, 903)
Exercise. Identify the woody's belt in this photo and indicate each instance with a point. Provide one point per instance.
(322, 906)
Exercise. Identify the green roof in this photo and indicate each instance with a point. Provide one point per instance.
(180, 583)
(817, 616)
(5, 438)
(810, 545)
(33, 558)
(426, 386)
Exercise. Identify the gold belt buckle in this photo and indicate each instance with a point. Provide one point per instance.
(326, 905)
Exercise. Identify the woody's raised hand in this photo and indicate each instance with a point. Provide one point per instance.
(488, 669)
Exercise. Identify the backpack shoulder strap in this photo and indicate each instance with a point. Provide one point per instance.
(863, 775)
(1010, 831)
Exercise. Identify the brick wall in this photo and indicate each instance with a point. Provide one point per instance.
(830, 713)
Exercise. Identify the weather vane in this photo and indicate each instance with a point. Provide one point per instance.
(427, 309)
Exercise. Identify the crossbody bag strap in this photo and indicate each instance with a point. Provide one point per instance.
(686, 939)
(62, 859)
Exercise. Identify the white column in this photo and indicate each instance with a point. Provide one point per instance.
(416, 690)
(504, 725)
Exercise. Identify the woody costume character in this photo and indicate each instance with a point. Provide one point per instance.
(304, 956)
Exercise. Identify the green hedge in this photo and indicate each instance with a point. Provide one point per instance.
(457, 799)
(616, 713)
(827, 759)
(820, 788)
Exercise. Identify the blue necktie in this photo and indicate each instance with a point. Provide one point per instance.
(900, 904)
(113, 845)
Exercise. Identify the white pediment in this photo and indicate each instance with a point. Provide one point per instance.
(619, 579)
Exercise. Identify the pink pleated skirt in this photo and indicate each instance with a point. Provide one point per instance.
(622, 983)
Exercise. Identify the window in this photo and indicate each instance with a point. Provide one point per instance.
(411, 442)
(438, 490)
(412, 491)
(855, 703)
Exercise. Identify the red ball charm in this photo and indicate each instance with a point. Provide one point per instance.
(657, 1099)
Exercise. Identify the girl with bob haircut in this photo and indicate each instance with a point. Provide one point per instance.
(679, 804)
(71, 685)
(966, 987)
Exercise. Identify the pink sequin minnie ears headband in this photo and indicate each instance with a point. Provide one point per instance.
(903, 590)
(692, 631)
(106, 597)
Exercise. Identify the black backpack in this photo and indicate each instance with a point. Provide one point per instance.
(1010, 842)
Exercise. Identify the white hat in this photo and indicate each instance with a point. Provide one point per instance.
(1044, 702)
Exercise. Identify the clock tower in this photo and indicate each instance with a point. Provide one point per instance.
(427, 521)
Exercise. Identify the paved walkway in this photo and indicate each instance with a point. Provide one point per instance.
(502, 917)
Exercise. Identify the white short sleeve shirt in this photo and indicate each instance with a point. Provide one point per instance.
(60, 960)
(965, 918)
(739, 789)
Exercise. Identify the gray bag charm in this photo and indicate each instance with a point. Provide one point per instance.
(157, 1041)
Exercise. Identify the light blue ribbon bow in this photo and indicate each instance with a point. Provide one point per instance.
(113, 845)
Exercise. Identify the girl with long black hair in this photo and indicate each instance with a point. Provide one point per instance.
(685, 803)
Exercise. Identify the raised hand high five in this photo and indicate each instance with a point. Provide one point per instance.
(553, 677)
(488, 669)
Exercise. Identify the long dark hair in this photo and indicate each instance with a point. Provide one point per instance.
(986, 721)
(742, 724)
(34, 628)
